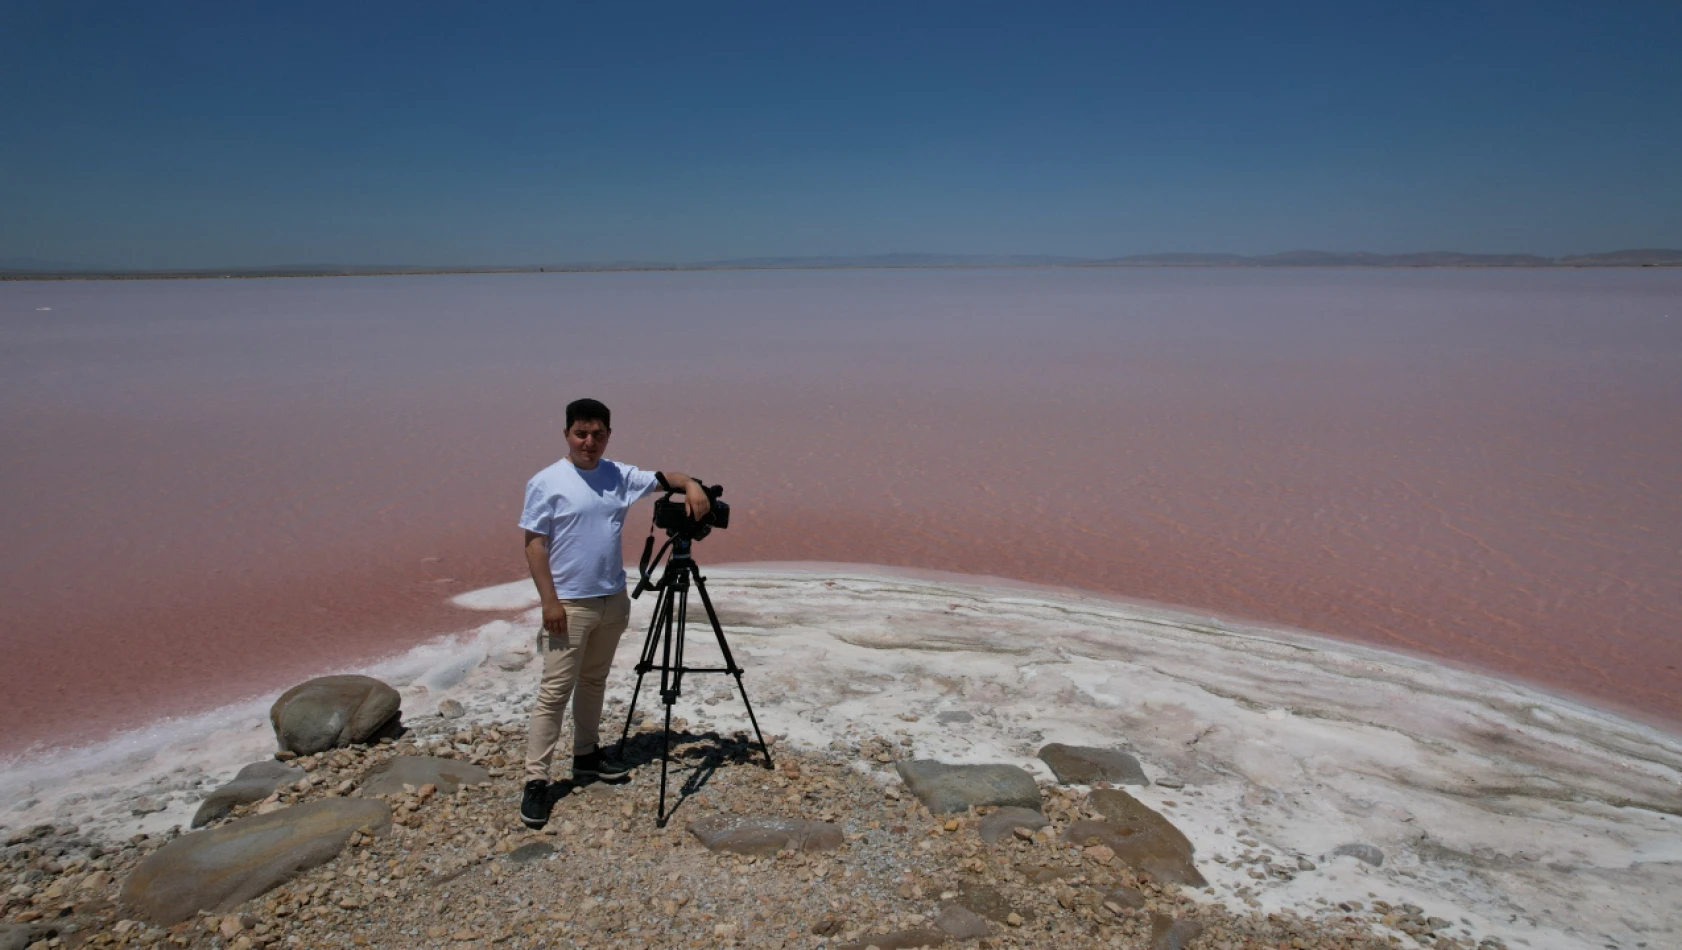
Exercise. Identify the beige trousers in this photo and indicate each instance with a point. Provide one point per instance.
(575, 668)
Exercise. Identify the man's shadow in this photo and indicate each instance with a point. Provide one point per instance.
(694, 756)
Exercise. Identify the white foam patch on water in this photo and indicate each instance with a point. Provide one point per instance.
(1500, 808)
(516, 596)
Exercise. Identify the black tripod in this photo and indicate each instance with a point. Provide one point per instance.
(665, 640)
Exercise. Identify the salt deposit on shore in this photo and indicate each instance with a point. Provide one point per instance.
(1497, 807)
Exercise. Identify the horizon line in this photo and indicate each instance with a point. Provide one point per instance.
(30, 269)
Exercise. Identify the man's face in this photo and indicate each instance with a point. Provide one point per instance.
(586, 441)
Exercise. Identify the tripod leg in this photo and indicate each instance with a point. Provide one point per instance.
(682, 585)
(668, 692)
(730, 662)
(644, 664)
(665, 757)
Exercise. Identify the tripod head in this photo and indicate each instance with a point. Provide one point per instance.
(682, 531)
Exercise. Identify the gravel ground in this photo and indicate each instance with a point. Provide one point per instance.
(460, 871)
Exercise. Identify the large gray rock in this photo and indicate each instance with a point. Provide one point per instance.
(1085, 765)
(944, 789)
(253, 784)
(333, 711)
(389, 777)
(1003, 823)
(764, 835)
(219, 869)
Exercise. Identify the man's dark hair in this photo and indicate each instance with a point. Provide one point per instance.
(582, 410)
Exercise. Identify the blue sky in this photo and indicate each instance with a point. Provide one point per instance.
(185, 135)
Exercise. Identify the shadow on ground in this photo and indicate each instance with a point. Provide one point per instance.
(694, 759)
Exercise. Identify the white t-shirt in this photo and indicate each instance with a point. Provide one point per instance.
(581, 513)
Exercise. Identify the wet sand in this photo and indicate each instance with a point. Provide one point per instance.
(214, 487)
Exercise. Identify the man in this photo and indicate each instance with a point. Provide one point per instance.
(573, 517)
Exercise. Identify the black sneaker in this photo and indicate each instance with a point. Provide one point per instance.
(598, 764)
(534, 804)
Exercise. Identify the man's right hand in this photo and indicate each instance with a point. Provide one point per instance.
(555, 619)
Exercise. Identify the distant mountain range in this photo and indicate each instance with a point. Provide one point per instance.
(16, 268)
(38, 266)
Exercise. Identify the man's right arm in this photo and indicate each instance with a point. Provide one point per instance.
(537, 560)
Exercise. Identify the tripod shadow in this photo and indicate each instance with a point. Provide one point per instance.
(700, 754)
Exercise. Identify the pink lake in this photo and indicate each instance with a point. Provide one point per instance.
(213, 488)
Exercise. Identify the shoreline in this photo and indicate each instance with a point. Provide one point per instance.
(444, 632)
(454, 637)
(1299, 740)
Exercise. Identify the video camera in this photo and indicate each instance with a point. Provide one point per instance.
(673, 518)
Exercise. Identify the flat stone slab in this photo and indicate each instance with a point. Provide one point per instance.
(1003, 823)
(332, 711)
(1123, 810)
(219, 869)
(1041, 874)
(1168, 933)
(1362, 852)
(764, 836)
(1085, 765)
(1127, 897)
(898, 940)
(1143, 849)
(990, 902)
(19, 936)
(253, 783)
(1139, 836)
(389, 777)
(944, 789)
(961, 923)
(535, 851)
